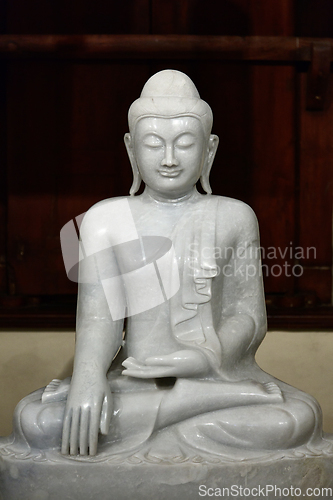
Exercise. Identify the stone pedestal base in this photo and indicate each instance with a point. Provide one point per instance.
(72, 480)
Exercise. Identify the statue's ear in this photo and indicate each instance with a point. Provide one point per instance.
(136, 174)
(213, 142)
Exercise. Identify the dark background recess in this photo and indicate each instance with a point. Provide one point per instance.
(62, 122)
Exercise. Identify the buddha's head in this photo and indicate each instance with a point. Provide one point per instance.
(170, 144)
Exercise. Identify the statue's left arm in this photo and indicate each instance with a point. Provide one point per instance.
(242, 324)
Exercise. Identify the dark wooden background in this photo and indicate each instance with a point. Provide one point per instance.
(62, 122)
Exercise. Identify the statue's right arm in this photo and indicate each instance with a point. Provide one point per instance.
(89, 404)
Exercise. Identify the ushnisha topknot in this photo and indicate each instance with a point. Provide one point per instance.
(170, 93)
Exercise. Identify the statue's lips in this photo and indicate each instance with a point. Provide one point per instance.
(172, 172)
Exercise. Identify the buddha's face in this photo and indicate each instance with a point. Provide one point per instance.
(170, 153)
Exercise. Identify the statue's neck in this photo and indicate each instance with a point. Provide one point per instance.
(152, 195)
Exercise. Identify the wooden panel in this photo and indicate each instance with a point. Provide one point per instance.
(316, 280)
(272, 148)
(274, 18)
(3, 181)
(237, 17)
(70, 155)
(270, 49)
(3, 15)
(193, 17)
(3, 171)
(34, 111)
(316, 186)
(272, 176)
(314, 18)
(75, 16)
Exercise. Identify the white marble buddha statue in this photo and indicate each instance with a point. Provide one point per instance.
(183, 268)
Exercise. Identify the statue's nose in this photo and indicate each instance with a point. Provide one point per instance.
(169, 160)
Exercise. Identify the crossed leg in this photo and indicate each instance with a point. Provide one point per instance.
(248, 414)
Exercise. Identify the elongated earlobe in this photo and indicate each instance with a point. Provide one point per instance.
(136, 174)
(212, 147)
(204, 181)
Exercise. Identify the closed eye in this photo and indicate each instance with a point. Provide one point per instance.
(153, 141)
(184, 145)
(153, 145)
(185, 141)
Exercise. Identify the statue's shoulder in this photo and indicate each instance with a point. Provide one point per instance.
(96, 217)
(237, 213)
(235, 208)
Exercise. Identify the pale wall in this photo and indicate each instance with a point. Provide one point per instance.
(304, 360)
(29, 360)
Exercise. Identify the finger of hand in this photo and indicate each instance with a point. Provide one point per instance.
(150, 372)
(84, 429)
(106, 415)
(66, 432)
(75, 428)
(136, 373)
(95, 417)
(131, 362)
